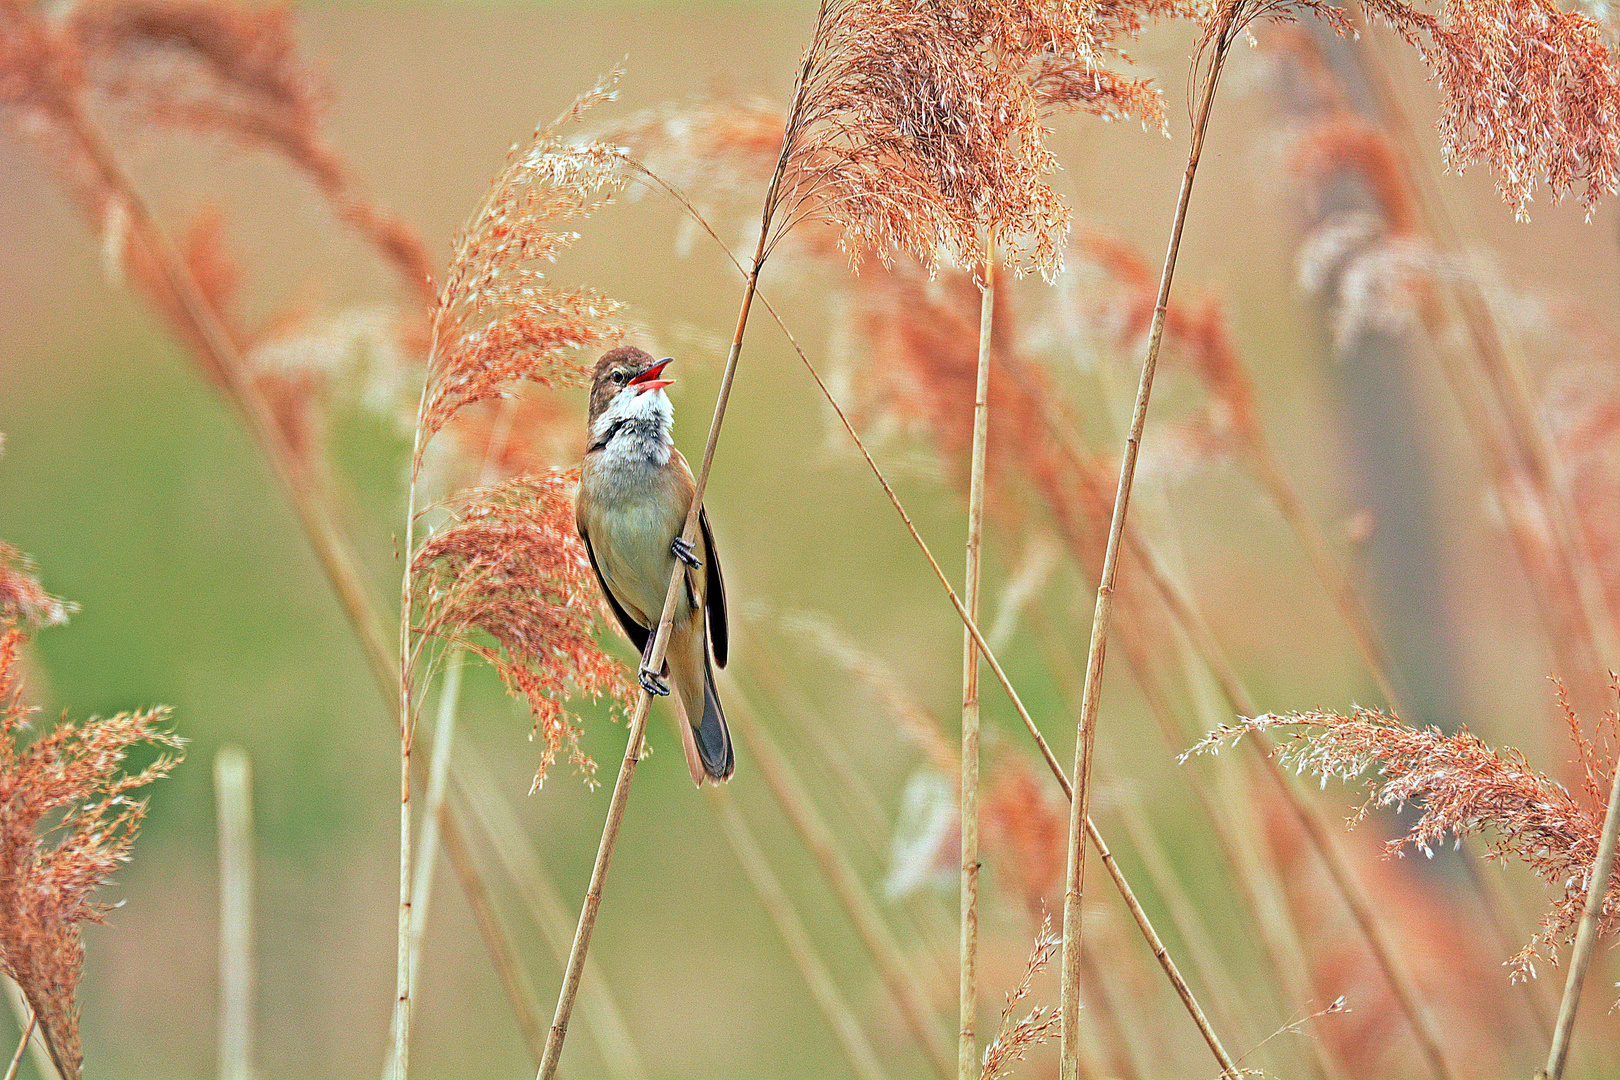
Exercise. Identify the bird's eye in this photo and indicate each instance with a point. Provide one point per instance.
(618, 377)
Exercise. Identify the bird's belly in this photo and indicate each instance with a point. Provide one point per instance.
(631, 532)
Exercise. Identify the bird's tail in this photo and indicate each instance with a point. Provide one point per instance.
(704, 734)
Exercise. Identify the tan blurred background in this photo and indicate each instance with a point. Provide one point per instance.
(135, 488)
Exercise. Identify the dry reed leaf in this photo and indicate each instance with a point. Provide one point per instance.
(1465, 788)
(67, 819)
(498, 319)
(509, 580)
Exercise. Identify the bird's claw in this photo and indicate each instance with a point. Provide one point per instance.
(653, 683)
(683, 551)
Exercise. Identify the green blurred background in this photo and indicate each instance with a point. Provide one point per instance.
(137, 491)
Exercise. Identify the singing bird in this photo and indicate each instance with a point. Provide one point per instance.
(635, 490)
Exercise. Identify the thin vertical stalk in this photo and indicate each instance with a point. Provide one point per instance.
(840, 1017)
(233, 798)
(1069, 1004)
(892, 965)
(967, 1058)
(547, 911)
(22, 1047)
(444, 733)
(1585, 935)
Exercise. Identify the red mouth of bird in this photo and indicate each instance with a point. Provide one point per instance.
(649, 380)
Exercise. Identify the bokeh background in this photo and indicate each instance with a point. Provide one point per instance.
(134, 486)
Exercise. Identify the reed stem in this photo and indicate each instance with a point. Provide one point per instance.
(1586, 935)
(547, 911)
(1069, 1004)
(233, 797)
(22, 1046)
(967, 1058)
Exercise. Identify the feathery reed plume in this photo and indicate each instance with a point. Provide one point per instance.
(23, 600)
(215, 67)
(1465, 788)
(925, 127)
(498, 320)
(508, 579)
(1017, 1036)
(68, 818)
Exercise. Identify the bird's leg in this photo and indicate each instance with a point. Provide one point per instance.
(683, 551)
(651, 681)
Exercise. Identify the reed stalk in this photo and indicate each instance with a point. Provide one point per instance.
(444, 729)
(1586, 935)
(1069, 971)
(547, 910)
(233, 798)
(840, 1017)
(44, 1065)
(22, 1046)
(893, 966)
(967, 1058)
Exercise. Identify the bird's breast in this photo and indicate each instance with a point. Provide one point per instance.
(632, 515)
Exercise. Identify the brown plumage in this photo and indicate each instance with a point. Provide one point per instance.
(635, 491)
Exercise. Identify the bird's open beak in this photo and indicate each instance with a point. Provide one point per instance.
(649, 380)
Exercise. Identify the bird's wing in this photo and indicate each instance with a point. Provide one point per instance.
(718, 632)
(633, 630)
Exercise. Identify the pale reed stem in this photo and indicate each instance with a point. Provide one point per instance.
(967, 1058)
(840, 1017)
(233, 798)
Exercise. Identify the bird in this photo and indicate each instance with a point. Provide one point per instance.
(635, 490)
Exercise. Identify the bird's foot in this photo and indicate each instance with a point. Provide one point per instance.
(652, 682)
(683, 551)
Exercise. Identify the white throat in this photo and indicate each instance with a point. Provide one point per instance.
(636, 425)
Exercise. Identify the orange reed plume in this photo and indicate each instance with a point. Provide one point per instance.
(1529, 89)
(508, 579)
(216, 67)
(498, 320)
(917, 127)
(67, 820)
(1465, 788)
